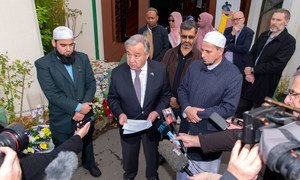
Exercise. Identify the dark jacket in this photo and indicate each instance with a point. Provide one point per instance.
(33, 166)
(222, 140)
(272, 61)
(122, 97)
(239, 47)
(160, 41)
(171, 60)
(217, 90)
(62, 92)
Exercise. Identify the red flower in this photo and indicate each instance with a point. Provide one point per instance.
(105, 102)
(110, 116)
(107, 111)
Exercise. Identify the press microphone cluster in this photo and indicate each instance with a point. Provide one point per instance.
(177, 161)
(163, 128)
(62, 167)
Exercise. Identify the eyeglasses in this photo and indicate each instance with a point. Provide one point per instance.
(237, 19)
(185, 37)
(293, 93)
(170, 20)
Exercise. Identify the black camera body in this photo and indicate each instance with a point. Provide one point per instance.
(270, 125)
(13, 136)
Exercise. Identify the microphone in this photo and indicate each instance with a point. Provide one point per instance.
(170, 118)
(62, 167)
(177, 161)
(165, 129)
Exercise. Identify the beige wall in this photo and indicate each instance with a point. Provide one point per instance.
(85, 42)
(19, 34)
(294, 29)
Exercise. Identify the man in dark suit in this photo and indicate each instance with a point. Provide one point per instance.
(139, 90)
(266, 61)
(238, 41)
(67, 80)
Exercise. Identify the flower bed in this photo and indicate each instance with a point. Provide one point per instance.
(39, 140)
(102, 71)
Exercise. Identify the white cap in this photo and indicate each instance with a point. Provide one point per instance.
(62, 32)
(215, 38)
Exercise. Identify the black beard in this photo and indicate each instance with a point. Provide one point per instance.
(66, 60)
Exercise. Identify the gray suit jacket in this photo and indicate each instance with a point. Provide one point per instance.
(62, 92)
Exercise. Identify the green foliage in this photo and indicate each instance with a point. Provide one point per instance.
(14, 78)
(50, 13)
(282, 88)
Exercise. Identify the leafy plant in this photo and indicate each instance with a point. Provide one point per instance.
(15, 77)
(71, 18)
(53, 13)
(50, 14)
(282, 88)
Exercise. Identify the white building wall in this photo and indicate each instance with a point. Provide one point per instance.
(294, 29)
(19, 34)
(85, 42)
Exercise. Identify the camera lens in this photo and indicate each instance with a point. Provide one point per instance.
(14, 136)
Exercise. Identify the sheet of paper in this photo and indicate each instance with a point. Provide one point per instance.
(133, 126)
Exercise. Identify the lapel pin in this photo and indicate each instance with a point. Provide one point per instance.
(152, 74)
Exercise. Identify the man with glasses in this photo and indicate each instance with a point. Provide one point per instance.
(238, 41)
(266, 61)
(67, 79)
(156, 35)
(210, 85)
(177, 60)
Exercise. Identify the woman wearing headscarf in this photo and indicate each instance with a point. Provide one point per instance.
(175, 19)
(205, 25)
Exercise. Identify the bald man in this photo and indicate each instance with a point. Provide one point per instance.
(156, 35)
(238, 41)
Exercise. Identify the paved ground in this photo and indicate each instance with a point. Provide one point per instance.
(107, 151)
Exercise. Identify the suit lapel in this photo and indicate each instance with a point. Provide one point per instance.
(77, 70)
(130, 86)
(150, 83)
(62, 69)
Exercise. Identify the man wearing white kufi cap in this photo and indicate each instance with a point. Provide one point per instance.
(210, 85)
(67, 80)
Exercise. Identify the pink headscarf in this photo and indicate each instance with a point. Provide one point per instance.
(206, 19)
(175, 32)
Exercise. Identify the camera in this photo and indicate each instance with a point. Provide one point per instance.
(13, 136)
(277, 130)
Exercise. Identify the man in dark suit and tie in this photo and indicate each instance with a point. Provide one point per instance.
(67, 80)
(139, 90)
(238, 41)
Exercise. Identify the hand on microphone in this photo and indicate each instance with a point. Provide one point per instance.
(10, 168)
(189, 140)
(78, 116)
(85, 108)
(122, 119)
(152, 116)
(84, 130)
(191, 113)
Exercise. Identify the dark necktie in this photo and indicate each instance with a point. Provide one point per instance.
(137, 84)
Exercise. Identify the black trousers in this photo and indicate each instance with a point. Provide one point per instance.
(88, 159)
(130, 153)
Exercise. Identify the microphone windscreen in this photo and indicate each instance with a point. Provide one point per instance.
(62, 167)
(174, 157)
